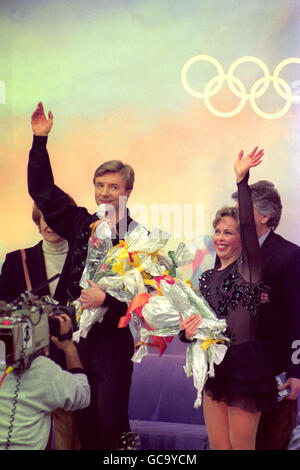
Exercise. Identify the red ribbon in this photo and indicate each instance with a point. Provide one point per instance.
(130, 256)
(136, 305)
(165, 277)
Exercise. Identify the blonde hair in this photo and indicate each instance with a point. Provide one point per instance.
(227, 211)
(116, 166)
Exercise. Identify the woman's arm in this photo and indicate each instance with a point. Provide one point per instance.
(250, 268)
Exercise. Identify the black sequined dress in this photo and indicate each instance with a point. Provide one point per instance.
(244, 377)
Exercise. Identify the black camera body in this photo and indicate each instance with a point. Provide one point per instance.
(26, 325)
(54, 325)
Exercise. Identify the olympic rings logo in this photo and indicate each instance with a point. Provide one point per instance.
(238, 88)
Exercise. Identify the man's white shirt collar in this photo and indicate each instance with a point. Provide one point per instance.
(263, 237)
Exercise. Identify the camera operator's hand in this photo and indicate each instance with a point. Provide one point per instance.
(67, 345)
(65, 327)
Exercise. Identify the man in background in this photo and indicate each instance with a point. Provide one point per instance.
(279, 318)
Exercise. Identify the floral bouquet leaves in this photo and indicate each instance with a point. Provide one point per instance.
(181, 257)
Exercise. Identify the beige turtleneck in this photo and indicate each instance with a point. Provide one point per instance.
(55, 256)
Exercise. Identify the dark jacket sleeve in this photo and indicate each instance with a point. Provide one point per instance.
(62, 217)
(251, 266)
(52, 201)
(9, 288)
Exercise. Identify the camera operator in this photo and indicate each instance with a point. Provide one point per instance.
(27, 399)
(29, 269)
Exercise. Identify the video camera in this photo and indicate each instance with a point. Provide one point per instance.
(25, 327)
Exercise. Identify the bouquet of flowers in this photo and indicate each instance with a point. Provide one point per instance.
(98, 246)
(137, 272)
(123, 271)
(157, 316)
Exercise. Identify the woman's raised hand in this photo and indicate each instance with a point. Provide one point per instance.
(244, 163)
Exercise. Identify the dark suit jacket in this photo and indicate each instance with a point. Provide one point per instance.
(12, 279)
(279, 319)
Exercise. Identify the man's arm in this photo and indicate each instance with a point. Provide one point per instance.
(51, 200)
(93, 297)
(71, 391)
(67, 345)
(41, 126)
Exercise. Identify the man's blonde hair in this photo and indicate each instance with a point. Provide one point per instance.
(116, 166)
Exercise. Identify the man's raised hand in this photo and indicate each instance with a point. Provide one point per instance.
(40, 125)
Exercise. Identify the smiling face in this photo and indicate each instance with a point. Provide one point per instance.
(110, 188)
(47, 233)
(227, 241)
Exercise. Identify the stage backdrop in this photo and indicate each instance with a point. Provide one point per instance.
(173, 87)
